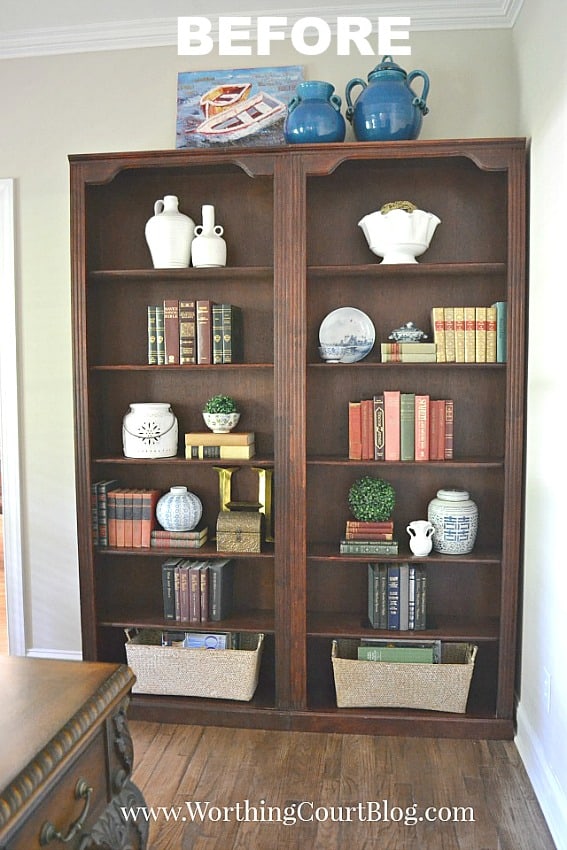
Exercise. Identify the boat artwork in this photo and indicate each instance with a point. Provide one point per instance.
(243, 118)
(223, 96)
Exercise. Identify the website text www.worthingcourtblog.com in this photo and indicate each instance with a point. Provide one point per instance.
(304, 811)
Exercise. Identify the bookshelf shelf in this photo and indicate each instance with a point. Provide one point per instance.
(295, 253)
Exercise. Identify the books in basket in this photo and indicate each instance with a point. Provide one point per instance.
(200, 640)
(405, 652)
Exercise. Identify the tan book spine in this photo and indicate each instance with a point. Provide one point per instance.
(438, 327)
(449, 319)
(480, 328)
(470, 335)
(491, 334)
(459, 334)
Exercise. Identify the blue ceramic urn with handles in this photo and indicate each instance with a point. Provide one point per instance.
(314, 114)
(387, 109)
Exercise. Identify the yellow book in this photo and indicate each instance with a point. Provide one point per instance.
(460, 334)
(470, 335)
(491, 334)
(222, 452)
(480, 328)
(438, 327)
(449, 317)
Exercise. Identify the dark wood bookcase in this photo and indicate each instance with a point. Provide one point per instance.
(295, 253)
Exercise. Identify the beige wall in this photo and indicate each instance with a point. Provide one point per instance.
(539, 38)
(126, 100)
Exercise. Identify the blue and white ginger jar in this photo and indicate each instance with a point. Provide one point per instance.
(454, 516)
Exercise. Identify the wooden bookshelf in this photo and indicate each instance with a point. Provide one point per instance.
(295, 253)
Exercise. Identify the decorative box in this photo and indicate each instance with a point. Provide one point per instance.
(239, 531)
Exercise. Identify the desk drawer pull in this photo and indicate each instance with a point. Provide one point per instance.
(48, 832)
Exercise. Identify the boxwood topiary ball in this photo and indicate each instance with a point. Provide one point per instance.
(371, 499)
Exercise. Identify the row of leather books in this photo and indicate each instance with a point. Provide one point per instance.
(191, 332)
(122, 517)
(470, 334)
(401, 426)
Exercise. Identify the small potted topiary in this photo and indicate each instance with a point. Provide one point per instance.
(220, 413)
(371, 499)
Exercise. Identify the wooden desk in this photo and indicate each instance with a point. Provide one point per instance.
(66, 756)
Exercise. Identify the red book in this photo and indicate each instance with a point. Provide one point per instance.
(367, 423)
(371, 525)
(128, 519)
(354, 431)
(171, 331)
(392, 423)
(449, 415)
(436, 430)
(422, 427)
(441, 432)
(369, 535)
(204, 331)
(187, 333)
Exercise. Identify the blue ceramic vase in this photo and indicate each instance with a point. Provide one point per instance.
(314, 114)
(179, 510)
(387, 109)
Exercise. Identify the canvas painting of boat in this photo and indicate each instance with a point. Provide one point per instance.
(245, 106)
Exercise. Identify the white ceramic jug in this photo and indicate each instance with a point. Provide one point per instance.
(420, 537)
(169, 234)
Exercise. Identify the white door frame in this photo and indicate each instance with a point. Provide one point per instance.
(9, 433)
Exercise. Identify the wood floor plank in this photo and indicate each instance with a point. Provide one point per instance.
(401, 777)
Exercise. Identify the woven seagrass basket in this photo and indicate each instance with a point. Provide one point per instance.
(434, 687)
(213, 673)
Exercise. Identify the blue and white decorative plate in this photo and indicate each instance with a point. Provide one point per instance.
(350, 327)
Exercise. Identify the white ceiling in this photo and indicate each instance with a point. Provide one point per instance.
(29, 28)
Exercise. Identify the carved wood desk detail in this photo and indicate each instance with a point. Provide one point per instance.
(67, 757)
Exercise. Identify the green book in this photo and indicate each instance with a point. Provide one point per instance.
(398, 654)
(407, 426)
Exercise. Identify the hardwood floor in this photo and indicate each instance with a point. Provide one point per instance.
(478, 789)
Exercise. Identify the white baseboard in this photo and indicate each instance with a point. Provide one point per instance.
(546, 787)
(54, 654)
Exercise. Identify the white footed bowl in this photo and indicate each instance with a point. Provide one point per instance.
(399, 236)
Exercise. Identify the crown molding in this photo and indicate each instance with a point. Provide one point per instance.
(425, 15)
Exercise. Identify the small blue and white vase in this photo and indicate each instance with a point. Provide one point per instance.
(314, 114)
(179, 510)
(454, 517)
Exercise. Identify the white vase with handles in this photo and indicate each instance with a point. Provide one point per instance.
(169, 234)
(208, 249)
(420, 537)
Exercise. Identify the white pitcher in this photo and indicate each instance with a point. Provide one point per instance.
(169, 234)
(420, 537)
